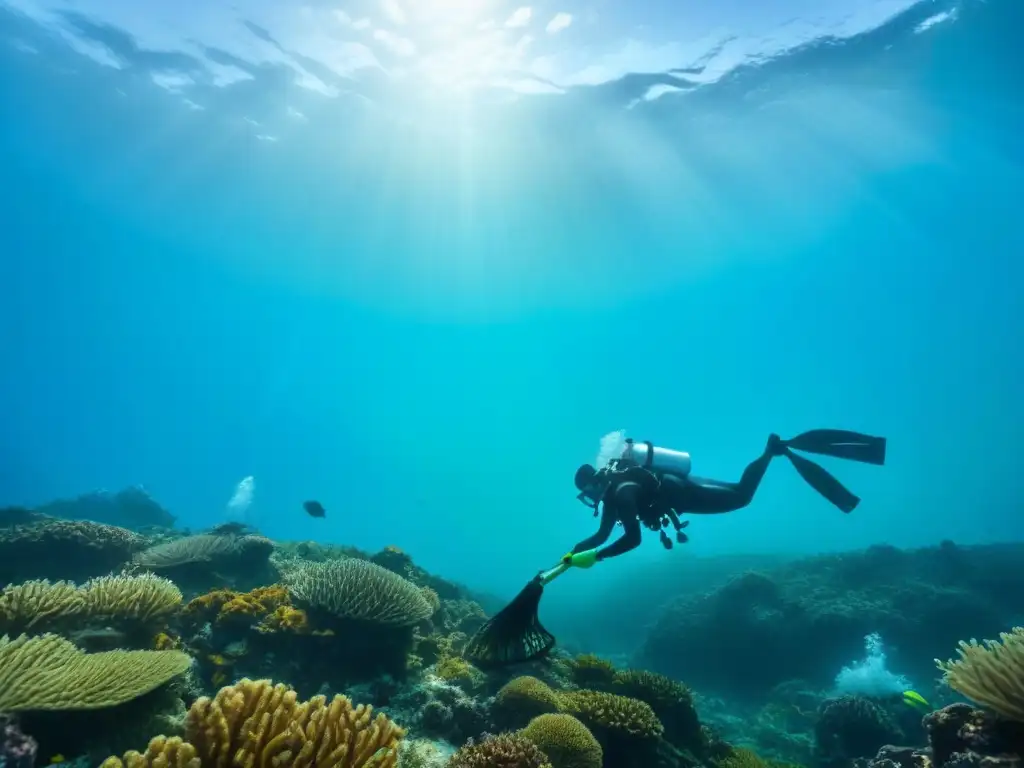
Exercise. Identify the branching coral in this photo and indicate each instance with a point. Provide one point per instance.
(49, 673)
(741, 757)
(589, 670)
(661, 692)
(507, 750)
(256, 723)
(620, 714)
(566, 741)
(144, 597)
(39, 604)
(359, 590)
(162, 752)
(990, 673)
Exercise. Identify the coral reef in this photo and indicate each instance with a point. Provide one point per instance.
(805, 619)
(506, 750)
(849, 727)
(199, 562)
(16, 749)
(991, 674)
(131, 508)
(64, 550)
(257, 722)
(49, 673)
(140, 603)
(565, 741)
(168, 642)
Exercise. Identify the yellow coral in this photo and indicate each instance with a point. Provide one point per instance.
(145, 597)
(164, 642)
(661, 692)
(741, 757)
(49, 673)
(565, 741)
(455, 669)
(285, 619)
(991, 673)
(255, 723)
(589, 669)
(621, 714)
(162, 752)
(206, 606)
(523, 698)
(36, 604)
(24, 606)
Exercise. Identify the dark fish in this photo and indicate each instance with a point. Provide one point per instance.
(314, 509)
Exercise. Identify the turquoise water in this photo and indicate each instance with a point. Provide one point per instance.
(420, 286)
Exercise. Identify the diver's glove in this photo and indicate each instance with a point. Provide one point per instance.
(585, 559)
(776, 446)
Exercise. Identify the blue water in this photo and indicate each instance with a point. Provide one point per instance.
(420, 290)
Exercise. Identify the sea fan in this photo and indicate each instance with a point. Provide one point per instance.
(612, 446)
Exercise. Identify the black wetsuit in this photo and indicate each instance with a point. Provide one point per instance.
(637, 496)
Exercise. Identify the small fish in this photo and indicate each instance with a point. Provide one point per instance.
(916, 700)
(314, 509)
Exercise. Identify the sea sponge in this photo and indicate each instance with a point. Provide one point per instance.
(257, 723)
(162, 752)
(359, 590)
(619, 714)
(144, 597)
(507, 750)
(49, 673)
(566, 741)
(990, 674)
(522, 699)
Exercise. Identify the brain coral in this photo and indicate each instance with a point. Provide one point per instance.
(522, 699)
(566, 741)
(49, 673)
(359, 590)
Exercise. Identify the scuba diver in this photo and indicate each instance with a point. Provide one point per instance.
(640, 484)
(650, 486)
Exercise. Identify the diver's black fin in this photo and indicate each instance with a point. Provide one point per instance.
(514, 634)
(823, 482)
(841, 444)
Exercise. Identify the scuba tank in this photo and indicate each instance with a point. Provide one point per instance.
(649, 456)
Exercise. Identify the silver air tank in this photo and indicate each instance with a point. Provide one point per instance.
(663, 460)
